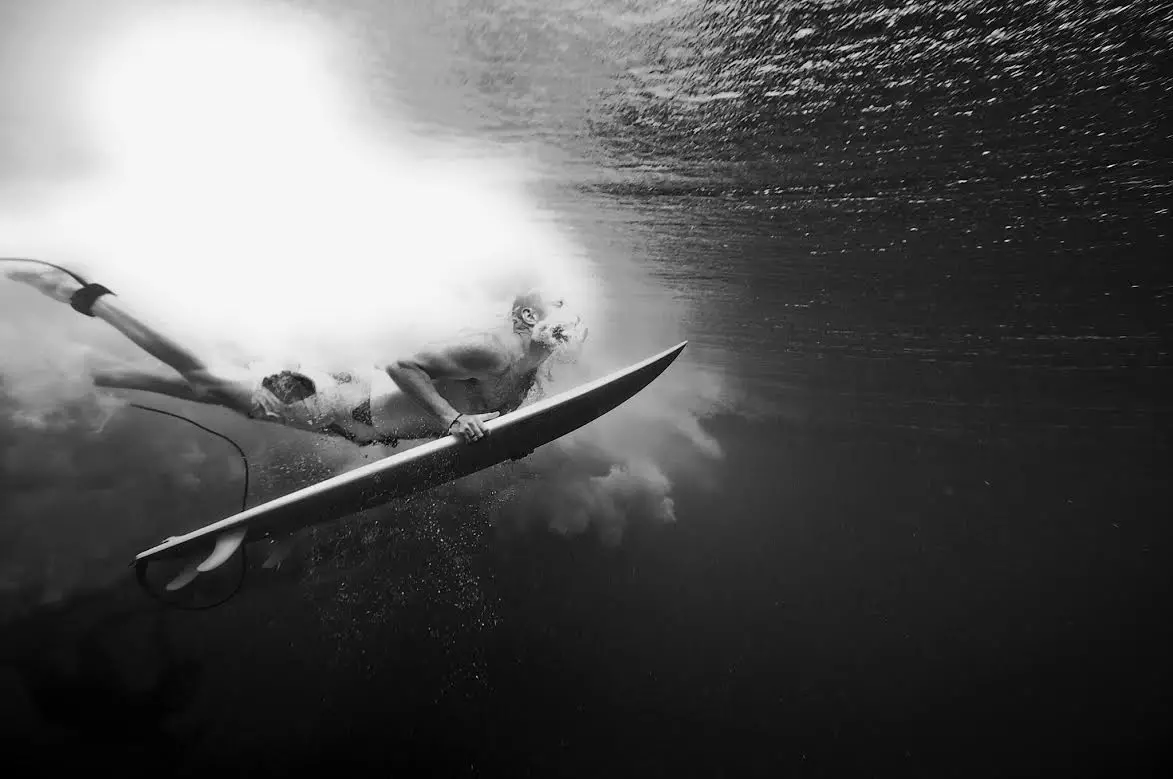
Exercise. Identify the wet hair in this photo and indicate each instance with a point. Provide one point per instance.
(532, 299)
(535, 300)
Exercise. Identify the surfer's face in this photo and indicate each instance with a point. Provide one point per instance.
(560, 331)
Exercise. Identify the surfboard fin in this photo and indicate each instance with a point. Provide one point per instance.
(185, 577)
(226, 545)
(280, 551)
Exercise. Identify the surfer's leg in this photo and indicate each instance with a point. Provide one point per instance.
(204, 383)
(117, 313)
(210, 385)
(200, 382)
(147, 382)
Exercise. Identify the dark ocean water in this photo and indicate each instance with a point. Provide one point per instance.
(931, 243)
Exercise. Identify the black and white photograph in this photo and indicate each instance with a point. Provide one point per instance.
(586, 388)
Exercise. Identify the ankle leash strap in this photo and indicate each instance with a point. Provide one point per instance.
(83, 300)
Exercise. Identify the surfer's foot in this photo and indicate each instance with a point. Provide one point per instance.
(54, 283)
(62, 287)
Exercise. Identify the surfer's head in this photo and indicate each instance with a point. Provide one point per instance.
(548, 322)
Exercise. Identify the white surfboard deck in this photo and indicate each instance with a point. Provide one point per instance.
(511, 436)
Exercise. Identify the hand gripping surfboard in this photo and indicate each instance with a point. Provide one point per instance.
(512, 436)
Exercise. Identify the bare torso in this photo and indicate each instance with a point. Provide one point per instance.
(394, 413)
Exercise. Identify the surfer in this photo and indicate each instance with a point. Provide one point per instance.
(453, 388)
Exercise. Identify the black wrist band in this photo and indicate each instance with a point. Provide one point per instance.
(83, 300)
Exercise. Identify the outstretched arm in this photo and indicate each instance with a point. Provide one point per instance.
(479, 359)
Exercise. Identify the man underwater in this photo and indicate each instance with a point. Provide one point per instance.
(453, 388)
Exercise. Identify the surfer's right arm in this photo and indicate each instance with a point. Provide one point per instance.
(417, 374)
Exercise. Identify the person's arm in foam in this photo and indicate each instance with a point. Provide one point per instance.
(480, 359)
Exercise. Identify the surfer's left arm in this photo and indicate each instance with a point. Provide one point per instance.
(471, 360)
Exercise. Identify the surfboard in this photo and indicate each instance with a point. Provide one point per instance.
(511, 436)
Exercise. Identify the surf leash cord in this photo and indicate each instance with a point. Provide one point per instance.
(140, 568)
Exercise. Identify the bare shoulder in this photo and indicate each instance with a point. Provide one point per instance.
(479, 351)
(476, 355)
